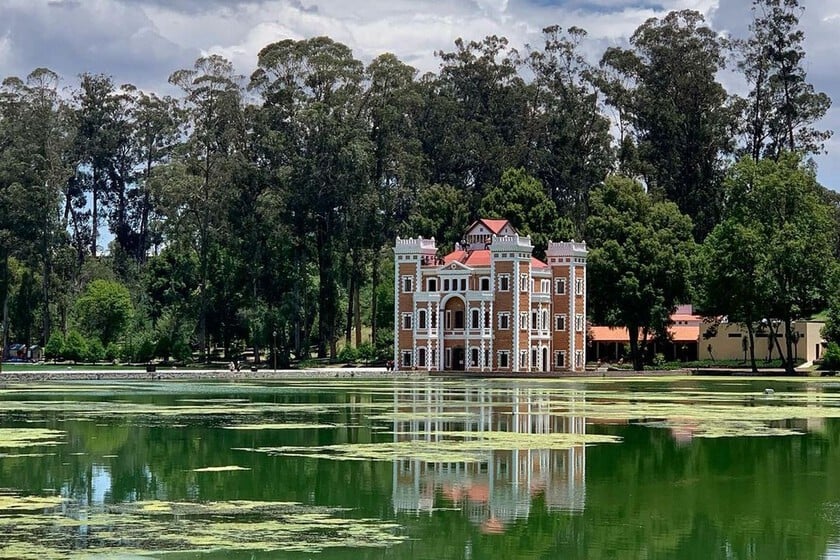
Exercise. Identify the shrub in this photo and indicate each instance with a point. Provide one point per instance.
(112, 352)
(75, 347)
(95, 351)
(658, 360)
(54, 347)
(347, 354)
(831, 358)
(367, 352)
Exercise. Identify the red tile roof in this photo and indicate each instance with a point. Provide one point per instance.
(679, 333)
(494, 225)
(480, 257)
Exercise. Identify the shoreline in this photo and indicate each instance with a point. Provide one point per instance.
(175, 374)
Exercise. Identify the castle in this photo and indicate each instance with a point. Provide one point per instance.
(489, 305)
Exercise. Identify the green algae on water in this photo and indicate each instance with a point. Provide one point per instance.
(28, 437)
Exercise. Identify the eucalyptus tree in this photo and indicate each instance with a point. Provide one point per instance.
(568, 137)
(392, 102)
(35, 137)
(472, 125)
(639, 262)
(196, 188)
(782, 107)
(680, 115)
(312, 91)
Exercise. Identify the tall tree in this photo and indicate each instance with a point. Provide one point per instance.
(315, 85)
(679, 112)
(782, 106)
(781, 203)
(640, 261)
(198, 193)
(568, 138)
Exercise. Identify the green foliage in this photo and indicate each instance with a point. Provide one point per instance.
(347, 354)
(145, 350)
(367, 352)
(441, 212)
(112, 352)
(522, 199)
(104, 310)
(75, 346)
(94, 351)
(54, 347)
(831, 357)
(640, 261)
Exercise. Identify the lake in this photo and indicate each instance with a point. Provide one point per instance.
(682, 468)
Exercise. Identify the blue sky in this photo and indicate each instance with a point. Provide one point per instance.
(143, 41)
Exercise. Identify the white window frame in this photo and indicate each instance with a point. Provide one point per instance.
(504, 282)
(578, 358)
(475, 356)
(406, 358)
(523, 359)
(475, 313)
(429, 282)
(484, 283)
(407, 321)
(560, 286)
(579, 322)
(504, 354)
(523, 320)
(579, 286)
(407, 283)
(523, 283)
(421, 356)
(422, 319)
(559, 358)
(504, 320)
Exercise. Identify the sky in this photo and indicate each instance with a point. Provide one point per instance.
(143, 41)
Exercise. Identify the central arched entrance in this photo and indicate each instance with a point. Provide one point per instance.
(454, 322)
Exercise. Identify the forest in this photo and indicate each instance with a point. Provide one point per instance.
(258, 212)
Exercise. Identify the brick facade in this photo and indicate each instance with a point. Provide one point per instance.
(489, 306)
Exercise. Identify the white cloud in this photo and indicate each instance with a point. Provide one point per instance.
(143, 41)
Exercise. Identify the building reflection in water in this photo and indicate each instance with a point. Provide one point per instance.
(499, 488)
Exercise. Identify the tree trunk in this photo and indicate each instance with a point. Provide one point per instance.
(351, 293)
(789, 347)
(752, 346)
(94, 215)
(635, 350)
(357, 315)
(374, 282)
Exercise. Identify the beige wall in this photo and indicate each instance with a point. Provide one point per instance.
(727, 345)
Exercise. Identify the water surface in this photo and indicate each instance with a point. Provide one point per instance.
(648, 468)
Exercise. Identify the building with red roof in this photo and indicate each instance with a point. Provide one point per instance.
(489, 305)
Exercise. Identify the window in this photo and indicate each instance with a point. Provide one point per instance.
(421, 357)
(545, 286)
(578, 358)
(535, 320)
(579, 322)
(459, 319)
(474, 319)
(485, 284)
(504, 359)
(504, 320)
(578, 286)
(486, 357)
(523, 359)
(433, 361)
(504, 283)
(446, 284)
(421, 320)
(523, 282)
(560, 286)
(431, 284)
(434, 315)
(463, 284)
(474, 357)
(406, 321)
(544, 320)
(407, 283)
(447, 358)
(486, 319)
(406, 358)
(560, 358)
(523, 321)
(534, 357)
(447, 319)
(559, 322)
